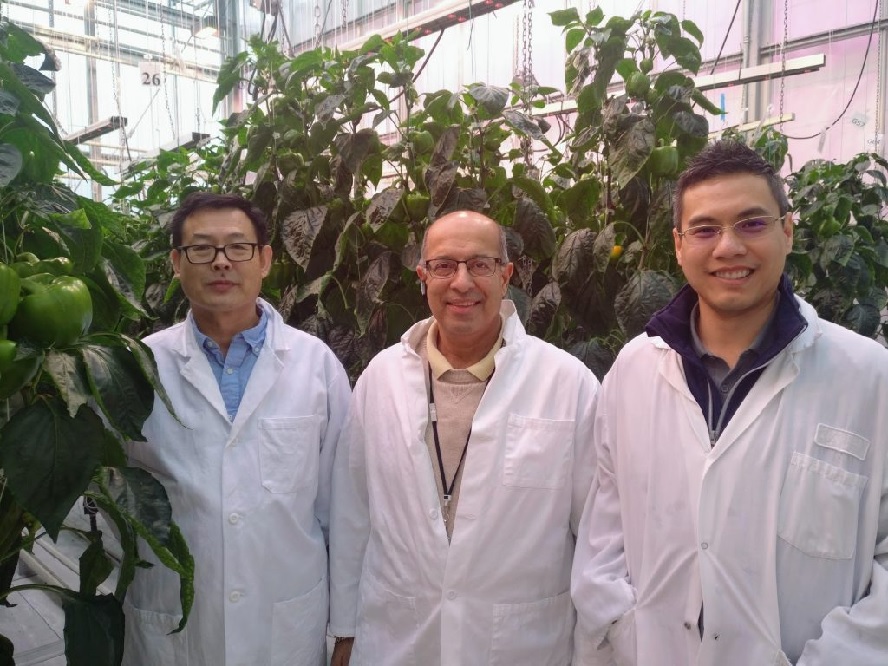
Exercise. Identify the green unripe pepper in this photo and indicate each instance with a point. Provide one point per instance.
(56, 266)
(637, 85)
(663, 161)
(7, 354)
(10, 289)
(55, 311)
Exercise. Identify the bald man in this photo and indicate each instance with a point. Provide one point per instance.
(461, 477)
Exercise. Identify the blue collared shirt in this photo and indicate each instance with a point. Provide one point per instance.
(233, 370)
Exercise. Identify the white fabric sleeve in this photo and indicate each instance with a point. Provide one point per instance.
(600, 585)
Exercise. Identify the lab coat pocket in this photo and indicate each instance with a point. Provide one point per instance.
(288, 452)
(387, 628)
(622, 637)
(537, 452)
(299, 629)
(536, 632)
(148, 641)
(819, 506)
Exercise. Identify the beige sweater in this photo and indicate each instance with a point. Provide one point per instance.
(457, 393)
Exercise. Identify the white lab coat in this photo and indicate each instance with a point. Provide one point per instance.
(779, 532)
(499, 594)
(252, 499)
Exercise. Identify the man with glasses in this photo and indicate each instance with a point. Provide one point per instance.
(246, 459)
(739, 515)
(460, 477)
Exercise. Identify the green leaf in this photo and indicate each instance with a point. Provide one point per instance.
(862, 318)
(644, 294)
(126, 273)
(95, 565)
(522, 124)
(6, 652)
(310, 240)
(49, 457)
(83, 240)
(563, 17)
(9, 103)
(572, 265)
(381, 273)
(704, 103)
(382, 205)
(93, 630)
(10, 163)
(16, 43)
(543, 308)
(602, 248)
(492, 99)
(535, 229)
(581, 200)
(573, 37)
(38, 83)
(28, 102)
(229, 76)
(116, 382)
(67, 373)
(632, 149)
(691, 28)
(595, 355)
(144, 357)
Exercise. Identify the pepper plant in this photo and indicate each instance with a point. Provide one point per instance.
(351, 164)
(73, 385)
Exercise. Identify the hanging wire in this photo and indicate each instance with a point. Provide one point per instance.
(869, 43)
(115, 84)
(878, 140)
(725, 40)
(783, 54)
(163, 68)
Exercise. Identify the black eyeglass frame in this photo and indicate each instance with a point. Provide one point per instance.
(496, 262)
(216, 250)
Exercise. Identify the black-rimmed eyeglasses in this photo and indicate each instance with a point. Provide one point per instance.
(206, 254)
(477, 266)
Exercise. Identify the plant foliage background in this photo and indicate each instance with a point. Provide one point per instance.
(68, 401)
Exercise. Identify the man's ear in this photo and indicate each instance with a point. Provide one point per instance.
(421, 273)
(175, 258)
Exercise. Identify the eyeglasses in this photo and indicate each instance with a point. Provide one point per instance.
(206, 254)
(748, 229)
(477, 267)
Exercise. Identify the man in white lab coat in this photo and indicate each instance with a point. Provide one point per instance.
(460, 477)
(246, 460)
(739, 516)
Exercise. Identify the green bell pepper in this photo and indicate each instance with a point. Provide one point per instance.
(7, 354)
(10, 289)
(54, 312)
(57, 266)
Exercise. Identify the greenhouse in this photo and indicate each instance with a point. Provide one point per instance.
(328, 140)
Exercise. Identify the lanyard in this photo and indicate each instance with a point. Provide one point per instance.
(433, 416)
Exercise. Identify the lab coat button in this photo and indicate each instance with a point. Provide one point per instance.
(234, 596)
(451, 595)
(704, 545)
(688, 626)
(433, 513)
(233, 518)
(229, 371)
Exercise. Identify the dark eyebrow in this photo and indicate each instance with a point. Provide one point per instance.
(745, 214)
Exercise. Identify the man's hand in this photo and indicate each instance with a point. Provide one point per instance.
(342, 651)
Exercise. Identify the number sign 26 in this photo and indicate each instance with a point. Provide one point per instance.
(151, 73)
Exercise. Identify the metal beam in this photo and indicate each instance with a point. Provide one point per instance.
(96, 130)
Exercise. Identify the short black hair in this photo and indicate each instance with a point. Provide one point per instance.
(723, 158)
(197, 201)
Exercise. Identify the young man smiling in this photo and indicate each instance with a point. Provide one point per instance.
(460, 477)
(740, 510)
(246, 459)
